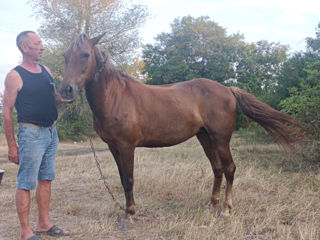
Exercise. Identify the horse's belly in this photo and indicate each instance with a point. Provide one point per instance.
(165, 136)
(161, 143)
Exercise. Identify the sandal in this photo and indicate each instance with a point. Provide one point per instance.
(34, 237)
(53, 231)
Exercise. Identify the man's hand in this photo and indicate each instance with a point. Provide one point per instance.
(59, 99)
(13, 154)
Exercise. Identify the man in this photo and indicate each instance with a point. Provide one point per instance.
(30, 88)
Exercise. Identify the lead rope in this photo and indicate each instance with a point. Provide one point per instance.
(85, 116)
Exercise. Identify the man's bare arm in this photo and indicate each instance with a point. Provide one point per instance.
(13, 83)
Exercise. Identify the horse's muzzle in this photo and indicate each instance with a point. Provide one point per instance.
(67, 92)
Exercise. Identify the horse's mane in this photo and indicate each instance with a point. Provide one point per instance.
(112, 70)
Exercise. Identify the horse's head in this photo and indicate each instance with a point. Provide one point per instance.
(81, 63)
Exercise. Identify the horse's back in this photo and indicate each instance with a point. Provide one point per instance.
(173, 113)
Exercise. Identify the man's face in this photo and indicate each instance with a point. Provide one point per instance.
(33, 47)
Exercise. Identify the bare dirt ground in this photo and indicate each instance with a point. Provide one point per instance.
(276, 195)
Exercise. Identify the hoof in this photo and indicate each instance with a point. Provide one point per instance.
(131, 210)
(214, 202)
(225, 213)
(125, 222)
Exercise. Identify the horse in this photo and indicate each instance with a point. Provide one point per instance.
(129, 114)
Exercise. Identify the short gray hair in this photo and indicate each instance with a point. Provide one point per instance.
(22, 37)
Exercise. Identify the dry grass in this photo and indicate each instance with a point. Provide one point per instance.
(275, 195)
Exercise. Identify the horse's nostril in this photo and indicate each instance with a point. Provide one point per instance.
(69, 89)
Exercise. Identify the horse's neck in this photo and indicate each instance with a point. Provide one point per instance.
(95, 92)
(101, 91)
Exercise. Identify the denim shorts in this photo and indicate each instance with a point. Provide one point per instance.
(37, 155)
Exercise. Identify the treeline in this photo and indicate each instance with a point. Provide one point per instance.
(200, 48)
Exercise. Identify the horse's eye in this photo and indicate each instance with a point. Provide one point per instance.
(84, 55)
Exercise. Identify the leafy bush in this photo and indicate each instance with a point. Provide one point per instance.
(305, 104)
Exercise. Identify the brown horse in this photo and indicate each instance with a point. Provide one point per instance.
(129, 114)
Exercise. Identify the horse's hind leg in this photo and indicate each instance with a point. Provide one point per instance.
(229, 169)
(219, 155)
(215, 162)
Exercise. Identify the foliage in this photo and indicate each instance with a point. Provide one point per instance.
(135, 70)
(258, 67)
(194, 48)
(119, 19)
(305, 104)
(304, 100)
(293, 73)
(313, 44)
(200, 48)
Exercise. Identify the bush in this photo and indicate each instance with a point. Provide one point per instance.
(305, 105)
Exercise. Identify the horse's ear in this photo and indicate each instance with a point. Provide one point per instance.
(94, 41)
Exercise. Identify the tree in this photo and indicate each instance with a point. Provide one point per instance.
(194, 48)
(304, 104)
(258, 67)
(313, 44)
(304, 99)
(120, 19)
(292, 73)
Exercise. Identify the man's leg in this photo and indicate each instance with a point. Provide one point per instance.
(23, 209)
(43, 196)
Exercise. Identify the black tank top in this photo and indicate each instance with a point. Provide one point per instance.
(36, 102)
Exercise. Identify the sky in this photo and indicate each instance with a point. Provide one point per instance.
(288, 22)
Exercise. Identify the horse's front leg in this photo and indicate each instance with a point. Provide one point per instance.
(124, 157)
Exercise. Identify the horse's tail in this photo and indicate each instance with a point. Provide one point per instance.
(277, 124)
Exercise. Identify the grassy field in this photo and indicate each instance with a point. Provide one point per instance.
(276, 195)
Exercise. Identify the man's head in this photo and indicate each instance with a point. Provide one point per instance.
(30, 44)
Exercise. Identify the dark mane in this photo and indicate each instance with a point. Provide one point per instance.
(112, 70)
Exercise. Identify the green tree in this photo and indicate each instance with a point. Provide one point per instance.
(313, 44)
(258, 68)
(194, 48)
(304, 99)
(292, 73)
(304, 104)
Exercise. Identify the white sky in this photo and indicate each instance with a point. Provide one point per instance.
(286, 21)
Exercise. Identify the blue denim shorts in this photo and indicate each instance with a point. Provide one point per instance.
(37, 155)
